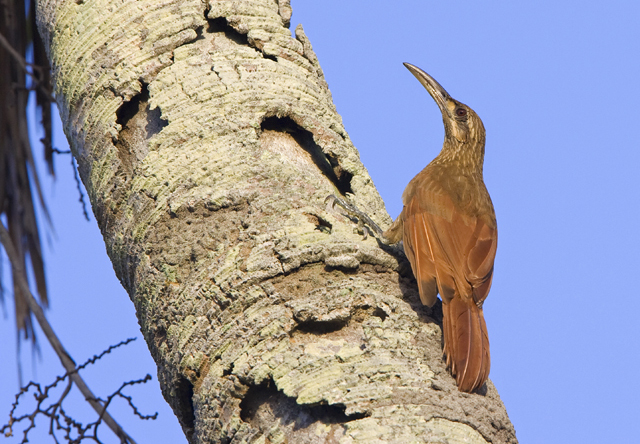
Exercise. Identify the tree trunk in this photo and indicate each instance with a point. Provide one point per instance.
(207, 139)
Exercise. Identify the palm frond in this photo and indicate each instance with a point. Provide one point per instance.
(24, 70)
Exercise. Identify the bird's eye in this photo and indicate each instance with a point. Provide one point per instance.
(461, 112)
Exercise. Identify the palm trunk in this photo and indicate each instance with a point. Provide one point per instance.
(207, 139)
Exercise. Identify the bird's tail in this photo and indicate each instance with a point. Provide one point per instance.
(466, 343)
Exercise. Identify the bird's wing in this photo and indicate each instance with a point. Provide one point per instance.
(455, 248)
(419, 252)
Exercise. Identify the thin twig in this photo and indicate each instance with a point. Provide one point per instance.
(78, 185)
(105, 352)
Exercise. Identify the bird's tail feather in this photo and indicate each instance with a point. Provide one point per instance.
(466, 343)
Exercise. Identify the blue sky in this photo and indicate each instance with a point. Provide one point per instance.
(556, 86)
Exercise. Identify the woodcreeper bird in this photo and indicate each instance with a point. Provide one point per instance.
(449, 232)
(448, 228)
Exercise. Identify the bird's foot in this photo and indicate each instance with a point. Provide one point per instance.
(365, 223)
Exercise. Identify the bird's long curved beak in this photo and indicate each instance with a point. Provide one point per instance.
(439, 94)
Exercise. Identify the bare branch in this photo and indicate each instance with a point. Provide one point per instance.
(74, 431)
(68, 363)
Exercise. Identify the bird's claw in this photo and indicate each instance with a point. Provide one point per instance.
(365, 223)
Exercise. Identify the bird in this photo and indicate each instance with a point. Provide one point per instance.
(449, 233)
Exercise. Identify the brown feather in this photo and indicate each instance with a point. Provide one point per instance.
(418, 250)
(466, 343)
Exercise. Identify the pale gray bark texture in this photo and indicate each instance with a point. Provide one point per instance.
(207, 140)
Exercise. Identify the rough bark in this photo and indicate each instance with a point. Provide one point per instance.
(207, 139)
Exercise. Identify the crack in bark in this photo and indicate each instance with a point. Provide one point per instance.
(138, 124)
(220, 24)
(264, 406)
(185, 411)
(326, 163)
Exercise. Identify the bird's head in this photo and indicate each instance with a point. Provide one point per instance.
(461, 123)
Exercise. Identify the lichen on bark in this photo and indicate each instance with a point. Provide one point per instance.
(207, 138)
